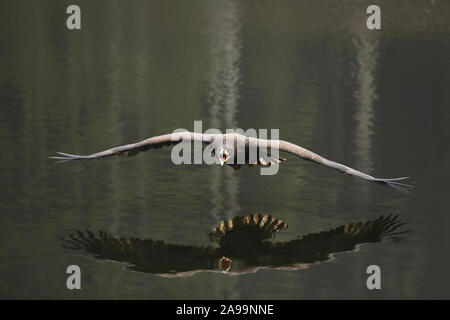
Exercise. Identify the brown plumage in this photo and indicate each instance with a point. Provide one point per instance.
(243, 246)
(229, 147)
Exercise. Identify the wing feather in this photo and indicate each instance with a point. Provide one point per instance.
(314, 157)
(281, 145)
(144, 145)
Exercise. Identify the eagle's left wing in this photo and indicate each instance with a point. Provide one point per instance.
(144, 255)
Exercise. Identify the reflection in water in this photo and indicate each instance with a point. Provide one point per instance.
(242, 246)
(366, 58)
(146, 67)
(115, 82)
(223, 96)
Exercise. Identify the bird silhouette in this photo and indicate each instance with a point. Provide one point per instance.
(243, 246)
(235, 150)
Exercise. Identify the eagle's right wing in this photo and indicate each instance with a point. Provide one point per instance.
(144, 145)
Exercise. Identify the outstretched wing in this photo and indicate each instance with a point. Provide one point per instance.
(318, 246)
(242, 246)
(144, 145)
(144, 255)
(309, 155)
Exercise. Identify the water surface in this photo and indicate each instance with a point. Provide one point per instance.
(375, 100)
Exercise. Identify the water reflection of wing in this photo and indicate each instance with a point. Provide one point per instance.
(318, 246)
(242, 240)
(242, 246)
(145, 255)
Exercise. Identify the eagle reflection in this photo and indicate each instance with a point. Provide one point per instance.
(242, 246)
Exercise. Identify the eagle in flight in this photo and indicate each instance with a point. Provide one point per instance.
(243, 246)
(235, 149)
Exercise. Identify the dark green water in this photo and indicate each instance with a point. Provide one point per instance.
(378, 101)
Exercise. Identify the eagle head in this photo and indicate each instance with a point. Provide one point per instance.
(223, 156)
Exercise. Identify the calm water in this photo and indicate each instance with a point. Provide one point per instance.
(378, 101)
